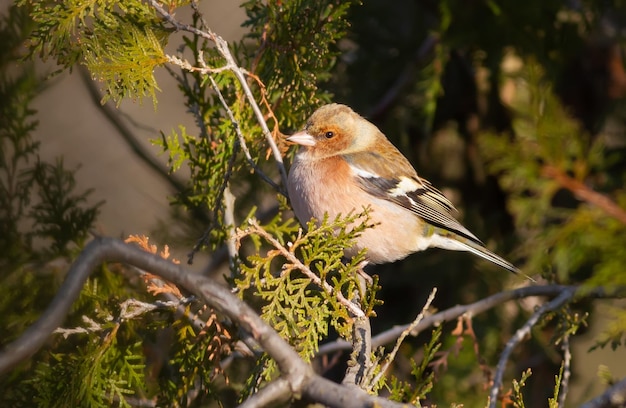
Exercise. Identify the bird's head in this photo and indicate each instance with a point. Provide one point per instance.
(333, 130)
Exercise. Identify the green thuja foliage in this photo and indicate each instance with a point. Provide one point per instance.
(42, 215)
(294, 49)
(301, 283)
(107, 379)
(127, 71)
(58, 216)
(516, 396)
(423, 375)
(121, 43)
(554, 401)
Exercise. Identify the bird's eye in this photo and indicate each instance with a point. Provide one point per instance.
(329, 135)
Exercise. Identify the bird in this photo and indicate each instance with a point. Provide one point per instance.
(344, 163)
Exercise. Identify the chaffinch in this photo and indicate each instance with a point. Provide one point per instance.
(345, 163)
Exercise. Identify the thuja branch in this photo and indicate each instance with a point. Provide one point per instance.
(294, 262)
(231, 65)
(298, 374)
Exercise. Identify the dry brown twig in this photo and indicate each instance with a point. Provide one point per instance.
(154, 284)
(585, 193)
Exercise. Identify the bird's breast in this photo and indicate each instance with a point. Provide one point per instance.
(319, 186)
(326, 186)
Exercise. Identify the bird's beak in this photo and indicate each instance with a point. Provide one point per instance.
(302, 138)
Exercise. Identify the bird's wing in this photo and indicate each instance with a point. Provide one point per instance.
(393, 178)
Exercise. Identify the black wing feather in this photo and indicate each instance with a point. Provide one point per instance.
(426, 201)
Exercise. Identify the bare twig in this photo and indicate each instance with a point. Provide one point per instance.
(481, 306)
(92, 327)
(403, 335)
(519, 335)
(241, 138)
(296, 263)
(229, 223)
(240, 74)
(474, 309)
(196, 10)
(614, 397)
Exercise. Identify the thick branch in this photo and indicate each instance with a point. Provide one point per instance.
(360, 362)
(300, 376)
(105, 249)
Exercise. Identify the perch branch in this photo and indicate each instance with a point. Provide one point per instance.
(360, 362)
(567, 371)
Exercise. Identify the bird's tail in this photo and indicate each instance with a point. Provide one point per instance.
(454, 241)
(484, 253)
